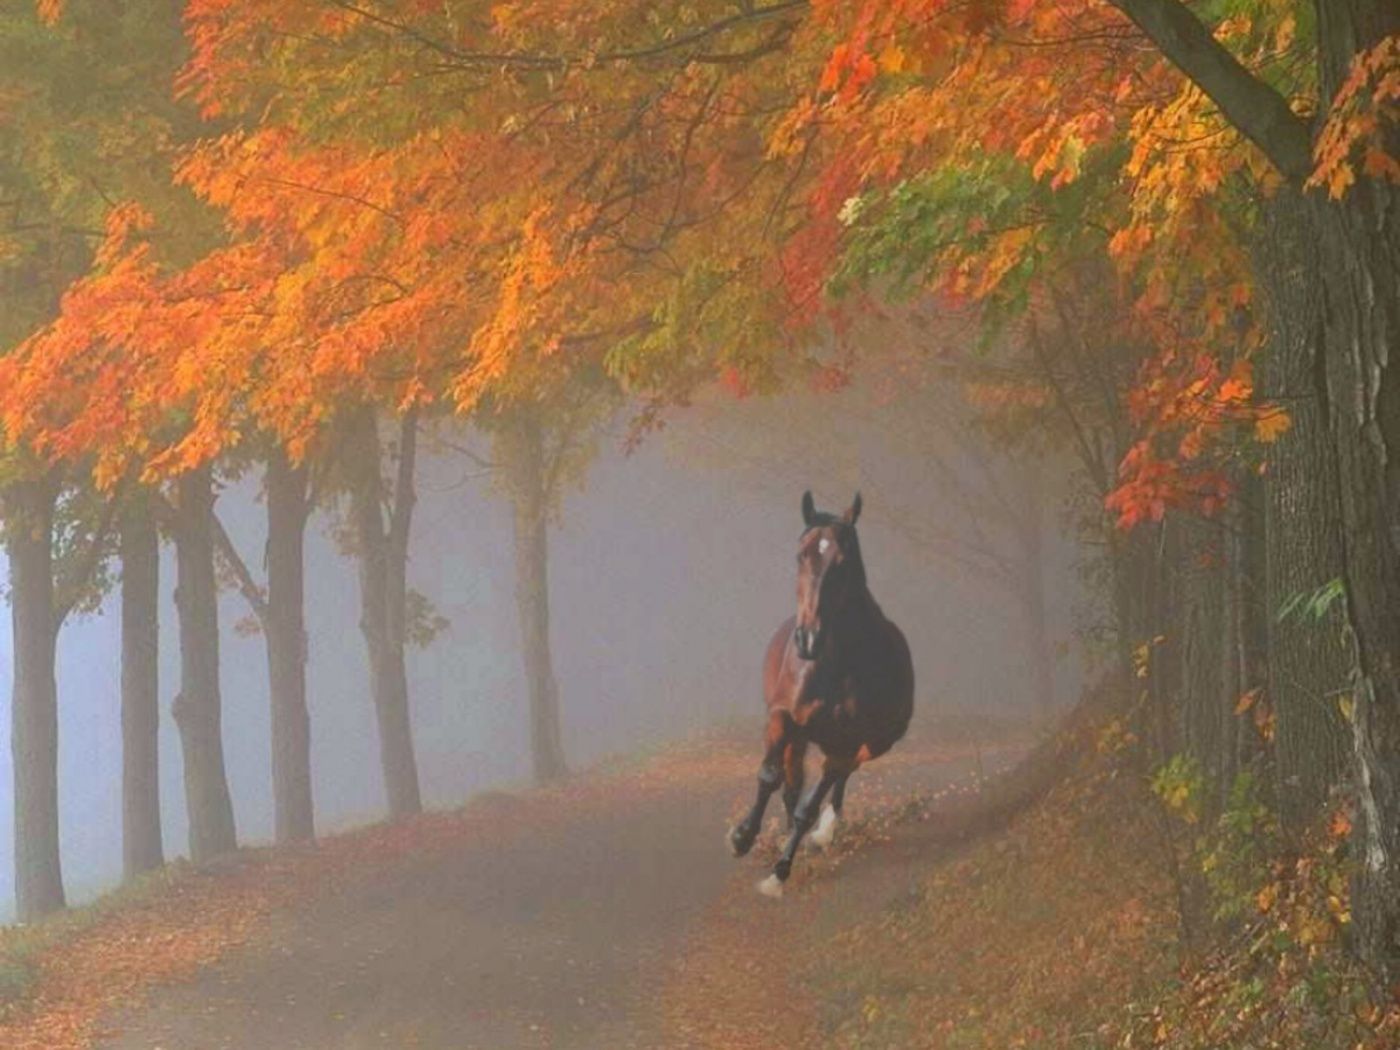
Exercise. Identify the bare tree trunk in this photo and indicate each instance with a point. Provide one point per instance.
(1041, 659)
(198, 707)
(523, 456)
(1361, 283)
(285, 634)
(1357, 269)
(34, 710)
(1308, 667)
(142, 847)
(383, 555)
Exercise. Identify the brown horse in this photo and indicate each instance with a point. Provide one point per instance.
(838, 675)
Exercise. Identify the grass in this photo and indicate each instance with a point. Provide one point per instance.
(23, 947)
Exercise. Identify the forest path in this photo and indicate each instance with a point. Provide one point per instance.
(563, 931)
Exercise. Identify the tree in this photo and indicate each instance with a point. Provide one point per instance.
(382, 550)
(1239, 105)
(198, 707)
(74, 110)
(280, 613)
(139, 550)
(541, 441)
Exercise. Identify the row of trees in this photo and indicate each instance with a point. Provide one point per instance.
(1174, 226)
(136, 385)
(1183, 224)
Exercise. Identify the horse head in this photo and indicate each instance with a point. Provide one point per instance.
(829, 572)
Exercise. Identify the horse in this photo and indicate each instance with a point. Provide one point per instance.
(838, 675)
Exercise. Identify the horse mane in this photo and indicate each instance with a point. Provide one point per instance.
(854, 563)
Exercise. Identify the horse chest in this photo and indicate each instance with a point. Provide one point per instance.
(827, 708)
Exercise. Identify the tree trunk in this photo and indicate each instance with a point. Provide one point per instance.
(1034, 613)
(142, 848)
(524, 459)
(1307, 664)
(198, 707)
(1360, 279)
(383, 555)
(34, 705)
(285, 634)
(1357, 270)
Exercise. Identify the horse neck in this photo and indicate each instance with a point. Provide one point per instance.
(855, 565)
(854, 623)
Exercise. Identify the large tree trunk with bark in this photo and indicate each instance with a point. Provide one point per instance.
(284, 631)
(34, 703)
(198, 707)
(524, 459)
(531, 503)
(142, 848)
(1357, 270)
(383, 559)
(1360, 278)
(1308, 666)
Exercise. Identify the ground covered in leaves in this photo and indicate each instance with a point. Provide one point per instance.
(1094, 919)
(188, 935)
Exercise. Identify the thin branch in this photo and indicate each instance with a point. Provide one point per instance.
(247, 586)
(69, 591)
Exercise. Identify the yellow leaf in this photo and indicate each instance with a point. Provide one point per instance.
(1246, 701)
(893, 59)
(1266, 897)
(1345, 704)
(1272, 425)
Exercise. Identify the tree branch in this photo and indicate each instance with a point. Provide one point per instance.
(247, 586)
(69, 590)
(1256, 110)
(401, 516)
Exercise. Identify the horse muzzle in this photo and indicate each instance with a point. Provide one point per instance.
(807, 642)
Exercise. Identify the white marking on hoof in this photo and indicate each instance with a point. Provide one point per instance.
(729, 843)
(825, 832)
(771, 887)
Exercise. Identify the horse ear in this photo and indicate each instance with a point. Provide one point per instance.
(853, 512)
(809, 509)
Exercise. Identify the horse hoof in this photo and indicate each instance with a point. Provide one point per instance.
(782, 869)
(825, 832)
(738, 843)
(771, 887)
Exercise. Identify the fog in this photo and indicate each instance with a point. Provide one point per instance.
(670, 567)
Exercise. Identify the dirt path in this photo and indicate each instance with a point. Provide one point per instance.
(566, 937)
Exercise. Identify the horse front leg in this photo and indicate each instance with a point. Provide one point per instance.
(794, 772)
(832, 771)
(770, 777)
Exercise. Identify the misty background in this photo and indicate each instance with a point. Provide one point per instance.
(670, 567)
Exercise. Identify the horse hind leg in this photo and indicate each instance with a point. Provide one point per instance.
(740, 838)
(824, 834)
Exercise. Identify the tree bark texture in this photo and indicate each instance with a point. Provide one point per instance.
(1308, 665)
(524, 458)
(198, 707)
(383, 559)
(34, 705)
(142, 847)
(285, 634)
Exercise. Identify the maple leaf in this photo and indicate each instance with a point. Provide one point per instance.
(1272, 425)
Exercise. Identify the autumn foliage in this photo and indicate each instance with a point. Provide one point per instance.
(346, 210)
